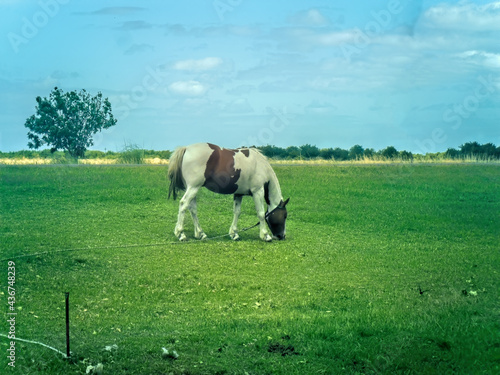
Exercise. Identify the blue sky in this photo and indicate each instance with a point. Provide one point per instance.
(420, 75)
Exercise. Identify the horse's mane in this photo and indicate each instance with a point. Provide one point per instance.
(257, 151)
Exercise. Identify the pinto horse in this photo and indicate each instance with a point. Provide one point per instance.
(243, 171)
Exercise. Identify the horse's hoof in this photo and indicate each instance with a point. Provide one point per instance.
(235, 237)
(267, 238)
(202, 237)
(182, 237)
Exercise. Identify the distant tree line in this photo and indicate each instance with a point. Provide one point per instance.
(135, 154)
(474, 149)
(308, 152)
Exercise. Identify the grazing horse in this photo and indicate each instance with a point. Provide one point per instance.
(244, 171)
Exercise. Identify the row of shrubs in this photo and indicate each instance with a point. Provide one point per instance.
(308, 152)
(473, 150)
(132, 154)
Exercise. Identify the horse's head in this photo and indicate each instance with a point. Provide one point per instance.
(276, 220)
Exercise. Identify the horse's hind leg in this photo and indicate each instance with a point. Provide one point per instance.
(198, 232)
(233, 230)
(184, 204)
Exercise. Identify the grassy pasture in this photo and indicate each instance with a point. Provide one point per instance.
(387, 269)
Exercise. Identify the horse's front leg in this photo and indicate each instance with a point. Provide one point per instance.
(258, 197)
(184, 204)
(233, 230)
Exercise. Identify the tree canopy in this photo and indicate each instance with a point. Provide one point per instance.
(68, 121)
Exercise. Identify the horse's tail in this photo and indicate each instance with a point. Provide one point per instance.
(175, 172)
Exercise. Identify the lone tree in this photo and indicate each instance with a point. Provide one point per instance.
(68, 121)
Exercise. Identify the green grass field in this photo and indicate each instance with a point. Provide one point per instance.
(386, 269)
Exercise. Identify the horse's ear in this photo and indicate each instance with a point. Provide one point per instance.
(285, 203)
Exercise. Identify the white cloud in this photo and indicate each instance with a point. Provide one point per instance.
(465, 16)
(336, 37)
(486, 59)
(188, 88)
(309, 38)
(207, 63)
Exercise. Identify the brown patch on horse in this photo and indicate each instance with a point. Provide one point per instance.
(220, 175)
(245, 151)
